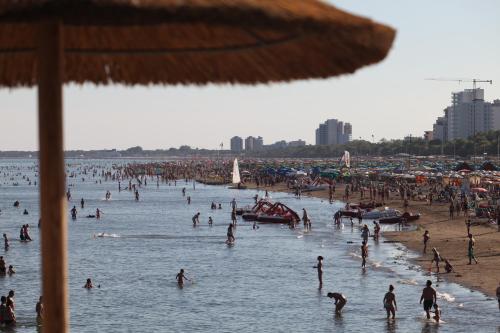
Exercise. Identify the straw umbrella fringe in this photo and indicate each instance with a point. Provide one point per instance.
(51, 42)
(191, 42)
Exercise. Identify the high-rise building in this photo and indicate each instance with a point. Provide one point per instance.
(258, 143)
(348, 131)
(440, 128)
(236, 144)
(249, 143)
(333, 132)
(467, 115)
(252, 143)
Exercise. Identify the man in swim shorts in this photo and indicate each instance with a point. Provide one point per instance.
(429, 298)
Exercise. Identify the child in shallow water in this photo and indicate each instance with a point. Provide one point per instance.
(437, 313)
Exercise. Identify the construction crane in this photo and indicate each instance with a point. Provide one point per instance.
(474, 82)
(474, 85)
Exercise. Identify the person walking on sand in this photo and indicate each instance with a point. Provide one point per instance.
(390, 302)
(426, 240)
(319, 268)
(340, 301)
(436, 258)
(470, 252)
(429, 298)
(364, 254)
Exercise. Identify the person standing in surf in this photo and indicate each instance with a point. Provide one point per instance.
(230, 234)
(319, 268)
(39, 311)
(305, 219)
(180, 277)
(73, 213)
(196, 219)
(364, 254)
(6, 242)
(429, 298)
(365, 233)
(233, 217)
(340, 301)
(390, 303)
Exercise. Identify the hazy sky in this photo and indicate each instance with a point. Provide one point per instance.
(452, 38)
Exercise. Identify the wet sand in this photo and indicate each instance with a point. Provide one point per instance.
(449, 237)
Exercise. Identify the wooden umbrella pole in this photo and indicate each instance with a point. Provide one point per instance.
(52, 178)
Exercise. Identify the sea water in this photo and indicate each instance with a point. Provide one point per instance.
(264, 283)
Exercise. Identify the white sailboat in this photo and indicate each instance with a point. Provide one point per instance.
(236, 172)
(236, 176)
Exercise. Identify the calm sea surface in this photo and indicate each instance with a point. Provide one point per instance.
(265, 283)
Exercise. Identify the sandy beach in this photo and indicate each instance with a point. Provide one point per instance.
(448, 236)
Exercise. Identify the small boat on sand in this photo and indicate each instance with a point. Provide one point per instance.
(405, 217)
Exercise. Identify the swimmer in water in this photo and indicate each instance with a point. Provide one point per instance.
(180, 277)
(11, 270)
(390, 302)
(210, 221)
(319, 268)
(88, 284)
(340, 301)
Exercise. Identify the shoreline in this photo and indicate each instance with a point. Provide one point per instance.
(448, 236)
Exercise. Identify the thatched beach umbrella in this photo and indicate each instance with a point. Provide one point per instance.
(47, 43)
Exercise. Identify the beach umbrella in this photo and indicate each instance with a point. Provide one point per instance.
(478, 190)
(47, 43)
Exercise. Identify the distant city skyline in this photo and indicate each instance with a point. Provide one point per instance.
(449, 38)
